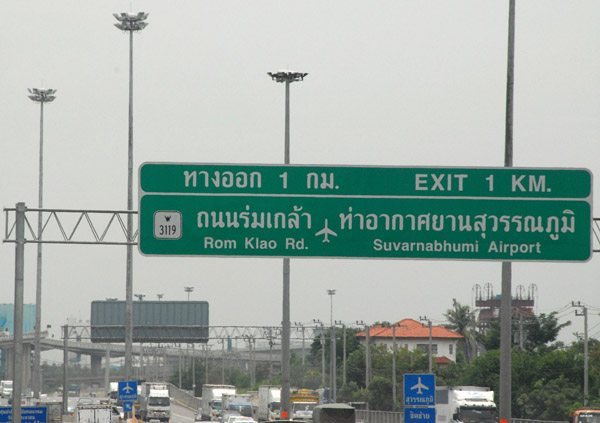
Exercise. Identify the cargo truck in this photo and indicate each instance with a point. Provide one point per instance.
(334, 413)
(269, 403)
(155, 403)
(465, 404)
(96, 413)
(211, 400)
(303, 402)
(113, 393)
(241, 403)
(6, 388)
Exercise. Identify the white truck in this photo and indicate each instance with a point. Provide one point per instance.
(465, 404)
(238, 403)
(6, 388)
(97, 413)
(155, 403)
(211, 400)
(269, 403)
(113, 392)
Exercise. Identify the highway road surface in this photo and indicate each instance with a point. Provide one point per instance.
(179, 413)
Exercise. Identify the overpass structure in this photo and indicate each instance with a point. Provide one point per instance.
(239, 344)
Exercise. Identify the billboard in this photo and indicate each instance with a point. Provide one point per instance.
(153, 321)
(7, 321)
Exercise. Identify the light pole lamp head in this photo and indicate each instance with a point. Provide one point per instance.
(131, 21)
(331, 291)
(287, 76)
(41, 95)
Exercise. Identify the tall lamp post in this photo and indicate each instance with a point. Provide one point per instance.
(332, 363)
(288, 77)
(39, 96)
(188, 289)
(131, 23)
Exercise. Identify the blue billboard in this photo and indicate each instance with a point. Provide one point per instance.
(7, 314)
(28, 414)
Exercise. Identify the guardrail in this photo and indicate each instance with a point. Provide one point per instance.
(184, 397)
(535, 421)
(370, 416)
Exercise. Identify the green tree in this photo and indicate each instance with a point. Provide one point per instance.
(380, 394)
(542, 330)
(461, 319)
(548, 401)
(539, 332)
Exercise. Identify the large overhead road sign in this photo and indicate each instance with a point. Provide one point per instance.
(516, 214)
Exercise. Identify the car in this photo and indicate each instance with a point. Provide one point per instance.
(198, 417)
(229, 414)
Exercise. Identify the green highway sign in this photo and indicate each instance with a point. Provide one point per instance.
(365, 212)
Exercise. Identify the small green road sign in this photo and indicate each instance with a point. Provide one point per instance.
(365, 212)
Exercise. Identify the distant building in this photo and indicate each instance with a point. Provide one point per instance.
(488, 304)
(414, 335)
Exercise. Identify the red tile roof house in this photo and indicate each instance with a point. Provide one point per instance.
(413, 335)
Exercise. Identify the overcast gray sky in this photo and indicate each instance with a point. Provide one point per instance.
(395, 83)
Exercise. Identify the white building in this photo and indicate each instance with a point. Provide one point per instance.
(413, 335)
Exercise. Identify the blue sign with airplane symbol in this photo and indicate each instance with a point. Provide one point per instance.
(128, 390)
(419, 389)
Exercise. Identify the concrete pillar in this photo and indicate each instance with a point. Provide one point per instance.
(27, 363)
(9, 363)
(96, 363)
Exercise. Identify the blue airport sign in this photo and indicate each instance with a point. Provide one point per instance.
(419, 415)
(419, 390)
(128, 390)
(28, 414)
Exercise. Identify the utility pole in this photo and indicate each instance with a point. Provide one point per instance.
(583, 313)
(367, 355)
(424, 318)
(505, 399)
(343, 351)
(332, 363)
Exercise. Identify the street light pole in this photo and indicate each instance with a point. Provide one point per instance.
(39, 96)
(288, 77)
(188, 289)
(131, 23)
